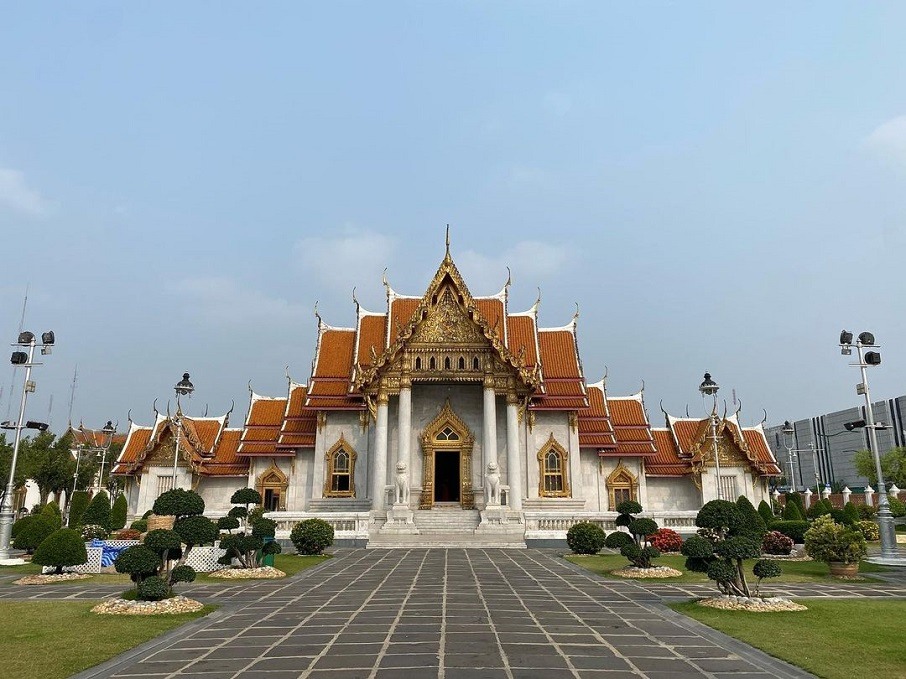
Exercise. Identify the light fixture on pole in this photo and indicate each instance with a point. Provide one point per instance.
(183, 388)
(788, 433)
(709, 388)
(866, 359)
(24, 359)
(109, 430)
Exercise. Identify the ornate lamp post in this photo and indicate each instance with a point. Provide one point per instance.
(788, 433)
(26, 360)
(872, 358)
(183, 388)
(709, 388)
(109, 430)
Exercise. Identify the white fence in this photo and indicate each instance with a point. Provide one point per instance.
(202, 559)
(554, 525)
(346, 525)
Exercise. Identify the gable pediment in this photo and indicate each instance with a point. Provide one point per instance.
(446, 323)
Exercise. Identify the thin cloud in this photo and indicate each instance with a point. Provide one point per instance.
(889, 139)
(530, 260)
(224, 301)
(17, 195)
(359, 252)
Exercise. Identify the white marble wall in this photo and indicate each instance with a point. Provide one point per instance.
(547, 423)
(349, 425)
(673, 494)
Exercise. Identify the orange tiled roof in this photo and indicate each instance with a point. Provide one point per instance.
(758, 445)
(226, 461)
(491, 308)
(595, 427)
(95, 438)
(299, 423)
(262, 426)
(372, 334)
(521, 333)
(631, 426)
(331, 378)
(136, 439)
(564, 385)
(401, 310)
(667, 461)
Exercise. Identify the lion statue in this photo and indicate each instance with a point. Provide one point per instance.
(493, 484)
(401, 485)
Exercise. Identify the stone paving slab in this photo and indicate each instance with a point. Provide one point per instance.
(450, 614)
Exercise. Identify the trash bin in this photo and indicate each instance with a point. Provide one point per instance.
(268, 558)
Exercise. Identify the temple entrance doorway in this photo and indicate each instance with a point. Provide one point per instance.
(446, 476)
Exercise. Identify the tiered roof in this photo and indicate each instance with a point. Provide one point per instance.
(93, 438)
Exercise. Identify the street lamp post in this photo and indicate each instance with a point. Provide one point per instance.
(109, 430)
(709, 388)
(872, 358)
(183, 388)
(788, 432)
(26, 360)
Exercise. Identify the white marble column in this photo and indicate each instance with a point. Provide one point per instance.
(379, 482)
(404, 427)
(489, 431)
(514, 475)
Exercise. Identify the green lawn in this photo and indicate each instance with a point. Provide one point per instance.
(58, 639)
(793, 571)
(835, 639)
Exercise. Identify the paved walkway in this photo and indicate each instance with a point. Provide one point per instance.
(446, 613)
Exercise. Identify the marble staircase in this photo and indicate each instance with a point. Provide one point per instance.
(450, 527)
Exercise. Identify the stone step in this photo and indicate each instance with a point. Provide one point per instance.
(440, 540)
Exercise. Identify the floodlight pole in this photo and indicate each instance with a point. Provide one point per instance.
(709, 388)
(109, 431)
(6, 508)
(75, 480)
(885, 518)
(183, 387)
(788, 433)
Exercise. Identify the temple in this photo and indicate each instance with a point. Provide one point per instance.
(449, 414)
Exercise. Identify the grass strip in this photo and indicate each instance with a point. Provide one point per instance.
(835, 639)
(51, 639)
(793, 571)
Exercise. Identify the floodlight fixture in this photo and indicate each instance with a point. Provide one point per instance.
(872, 358)
(867, 339)
(18, 358)
(40, 426)
(47, 337)
(846, 337)
(26, 337)
(184, 387)
(8, 425)
(855, 424)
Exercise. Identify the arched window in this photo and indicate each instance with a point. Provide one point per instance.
(418, 362)
(432, 363)
(340, 464)
(553, 470)
(272, 485)
(476, 365)
(462, 363)
(622, 486)
(447, 363)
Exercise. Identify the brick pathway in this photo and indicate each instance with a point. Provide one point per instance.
(451, 614)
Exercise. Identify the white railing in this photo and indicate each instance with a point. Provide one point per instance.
(554, 525)
(346, 525)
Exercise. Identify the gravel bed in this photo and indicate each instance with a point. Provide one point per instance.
(50, 579)
(172, 606)
(752, 604)
(268, 572)
(655, 572)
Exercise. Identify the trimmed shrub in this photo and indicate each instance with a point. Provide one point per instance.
(153, 588)
(586, 537)
(764, 510)
(640, 557)
(666, 540)
(264, 528)
(92, 531)
(791, 512)
(830, 541)
(765, 568)
(52, 511)
(179, 502)
(227, 523)
(897, 507)
(31, 531)
(800, 503)
(867, 512)
(629, 507)
(118, 513)
(182, 574)
(776, 542)
(869, 530)
(77, 507)
(165, 543)
(752, 523)
(98, 512)
(138, 561)
(618, 539)
(312, 536)
(141, 525)
(719, 515)
(642, 528)
(238, 512)
(64, 547)
(196, 530)
(792, 529)
(246, 496)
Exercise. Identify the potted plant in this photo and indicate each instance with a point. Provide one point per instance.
(841, 547)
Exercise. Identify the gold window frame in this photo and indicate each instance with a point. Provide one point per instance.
(621, 479)
(273, 479)
(342, 445)
(553, 446)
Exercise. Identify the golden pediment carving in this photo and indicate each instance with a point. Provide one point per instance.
(448, 323)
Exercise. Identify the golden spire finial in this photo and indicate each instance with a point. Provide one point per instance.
(448, 240)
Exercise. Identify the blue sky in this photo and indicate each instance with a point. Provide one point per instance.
(718, 186)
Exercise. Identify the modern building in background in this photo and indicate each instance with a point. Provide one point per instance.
(823, 450)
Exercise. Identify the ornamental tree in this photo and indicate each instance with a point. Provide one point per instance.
(585, 537)
(639, 552)
(30, 531)
(729, 536)
(98, 512)
(63, 547)
(312, 536)
(767, 514)
(255, 539)
(118, 513)
(77, 507)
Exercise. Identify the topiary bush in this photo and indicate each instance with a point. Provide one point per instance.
(227, 523)
(98, 512)
(798, 500)
(897, 507)
(752, 524)
(255, 540)
(776, 542)
(638, 556)
(153, 588)
(867, 512)
(791, 512)
(666, 540)
(312, 536)
(118, 513)
(178, 502)
(138, 561)
(618, 539)
(586, 537)
(765, 568)
(92, 531)
(52, 511)
(77, 507)
(64, 547)
(869, 530)
(767, 515)
(736, 537)
(30, 531)
(794, 530)
(141, 525)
